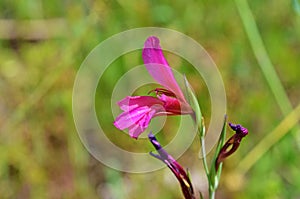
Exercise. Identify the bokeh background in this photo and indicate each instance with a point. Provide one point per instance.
(43, 44)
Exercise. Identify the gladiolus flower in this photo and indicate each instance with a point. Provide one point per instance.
(139, 110)
(233, 142)
(176, 168)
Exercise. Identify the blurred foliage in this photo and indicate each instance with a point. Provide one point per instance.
(41, 155)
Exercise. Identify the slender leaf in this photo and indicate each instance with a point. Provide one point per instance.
(192, 99)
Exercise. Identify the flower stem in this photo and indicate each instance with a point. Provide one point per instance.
(203, 153)
(204, 161)
(213, 175)
(211, 194)
(201, 131)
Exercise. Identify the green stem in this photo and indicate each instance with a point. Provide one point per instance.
(203, 153)
(211, 194)
(213, 176)
(204, 161)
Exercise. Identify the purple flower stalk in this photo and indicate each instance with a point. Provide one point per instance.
(233, 142)
(139, 110)
(178, 171)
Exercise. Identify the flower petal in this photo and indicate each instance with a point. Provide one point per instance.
(129, 118)
(174, 106)
(132, 102)
(138, 112)
(137, 129)
(158, 66)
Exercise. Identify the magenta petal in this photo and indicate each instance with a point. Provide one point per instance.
(136, 130)
(129, 118)
(138, 112)
(129, 102)
(144, 121)
(158, 66)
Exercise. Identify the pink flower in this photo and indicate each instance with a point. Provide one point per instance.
(139, 110)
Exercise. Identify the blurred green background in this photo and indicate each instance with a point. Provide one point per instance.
(42, 45)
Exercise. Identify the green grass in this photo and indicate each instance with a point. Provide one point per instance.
(255, 46)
